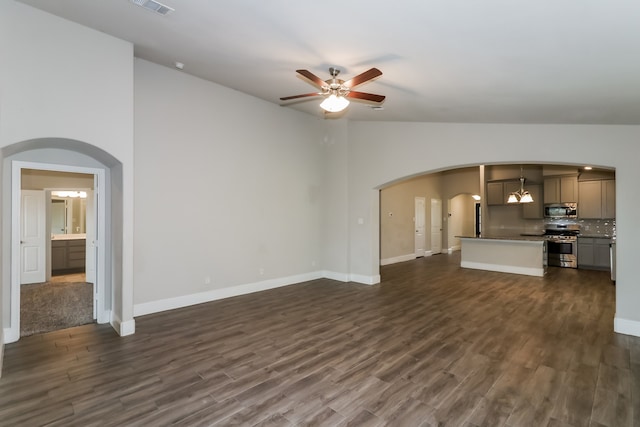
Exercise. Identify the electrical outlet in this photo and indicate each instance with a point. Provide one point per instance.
(207, 280)
(261, 271)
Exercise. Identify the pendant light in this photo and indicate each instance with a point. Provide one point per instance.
(520, 196)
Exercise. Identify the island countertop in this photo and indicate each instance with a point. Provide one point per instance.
(508, 254)
(520, 237)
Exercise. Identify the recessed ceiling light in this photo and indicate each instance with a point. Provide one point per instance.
(588, 168)
(179, 65)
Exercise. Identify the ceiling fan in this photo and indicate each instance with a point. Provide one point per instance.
(336, 91)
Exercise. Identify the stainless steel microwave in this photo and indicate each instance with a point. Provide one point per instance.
(561, 210)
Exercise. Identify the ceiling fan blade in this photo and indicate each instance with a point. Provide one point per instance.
(313, 79)
(366, 96)
(363, 78)
(286, 98)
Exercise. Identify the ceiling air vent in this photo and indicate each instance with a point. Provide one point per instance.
(153, 6)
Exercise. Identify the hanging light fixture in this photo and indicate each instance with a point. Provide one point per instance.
(520, 196)
(336, 101)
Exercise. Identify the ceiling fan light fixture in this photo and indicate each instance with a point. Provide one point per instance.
(334, 104)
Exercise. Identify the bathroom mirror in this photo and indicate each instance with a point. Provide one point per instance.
(68, 215)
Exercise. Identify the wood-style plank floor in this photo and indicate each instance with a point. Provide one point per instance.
(432, 345)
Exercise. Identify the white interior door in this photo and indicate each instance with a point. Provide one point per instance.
(32, 237)
(90, 229)
(436, 226)
(419, 220)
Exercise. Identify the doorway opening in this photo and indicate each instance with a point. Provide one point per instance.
(43, 253)
(56, 287)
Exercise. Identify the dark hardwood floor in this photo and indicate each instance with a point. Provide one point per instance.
(433, 344)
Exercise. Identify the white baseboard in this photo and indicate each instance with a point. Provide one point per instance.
(11, 335)
(397, 259)
(123, 328)
(341, 277)
(528, 271)
(358, 278)
(454, 248)
(1, 350)
(626, 326)
(216, 294)
(128, 328)
(365, 280)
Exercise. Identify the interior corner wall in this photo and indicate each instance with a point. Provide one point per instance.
(228, 191)
(382, 152)
(335, 195)
(65, 81)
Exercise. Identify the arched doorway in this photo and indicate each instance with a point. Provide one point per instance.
(66, 156)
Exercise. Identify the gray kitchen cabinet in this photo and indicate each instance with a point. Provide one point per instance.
(495, 193)
(562, 189)
(609, 198)
(498, 192)
(597, 199)
(68, 255)
(593, 253)
(533, 210)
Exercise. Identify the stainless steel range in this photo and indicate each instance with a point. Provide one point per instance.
(562, 244)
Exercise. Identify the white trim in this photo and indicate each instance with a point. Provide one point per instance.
(1, 350)
(365, 280)
(341, 277)
(397, 259)
(10, 336)
(454, 248)
(529, 271)
(122, 328)
(626, 326)
(217, 294)
(128, 328)
(428, 253)
(16, 185)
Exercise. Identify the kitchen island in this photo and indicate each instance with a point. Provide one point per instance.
(519, 254)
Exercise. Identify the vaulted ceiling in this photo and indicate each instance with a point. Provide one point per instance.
(490, 61)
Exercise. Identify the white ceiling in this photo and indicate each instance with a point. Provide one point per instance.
(489, 61)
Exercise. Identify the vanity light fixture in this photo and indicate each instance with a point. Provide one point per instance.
(71, 194)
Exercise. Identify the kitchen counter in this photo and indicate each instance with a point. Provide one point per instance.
(68, 236)
(520, 237)
(507, 254)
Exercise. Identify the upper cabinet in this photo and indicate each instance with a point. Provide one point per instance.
(534, 209)
(597, 199)
(498, 192)
(561, 189)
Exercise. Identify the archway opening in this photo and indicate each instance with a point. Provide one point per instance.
(66, 156)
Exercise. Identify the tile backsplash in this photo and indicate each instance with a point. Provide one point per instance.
(595, 227)
(604, 227)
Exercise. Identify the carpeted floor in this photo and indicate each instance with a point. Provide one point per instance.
(50, 306)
